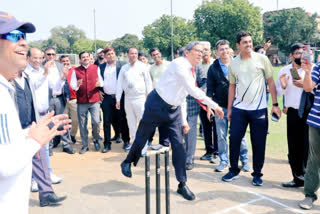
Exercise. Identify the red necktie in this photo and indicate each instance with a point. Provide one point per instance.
(198, 101)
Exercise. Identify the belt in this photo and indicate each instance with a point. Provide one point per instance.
(56, 96)
(164, 102)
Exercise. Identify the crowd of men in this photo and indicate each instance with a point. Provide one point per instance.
(137, 97)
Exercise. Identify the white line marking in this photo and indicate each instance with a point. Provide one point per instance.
(243, 211)
(239, 207)
(260, 197)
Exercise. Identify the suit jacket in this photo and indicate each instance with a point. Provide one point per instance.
(65, 89)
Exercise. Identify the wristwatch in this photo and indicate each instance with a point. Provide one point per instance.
(275, 104)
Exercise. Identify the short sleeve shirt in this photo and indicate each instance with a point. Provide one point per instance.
(250, 77)
(314, 115)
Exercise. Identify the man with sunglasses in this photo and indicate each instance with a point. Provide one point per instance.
(56, 74)
(17, 146)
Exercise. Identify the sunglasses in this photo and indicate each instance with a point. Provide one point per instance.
(51, 54)
(14, 36)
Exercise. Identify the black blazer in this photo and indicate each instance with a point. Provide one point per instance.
(217, 85)
(102, 67)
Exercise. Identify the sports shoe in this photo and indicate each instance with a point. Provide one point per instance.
(144, 150)
(207, 156)
(34, 186)
(221, 167)
(257, 181)
(156, 147)
(55, 179)
(245, 167)
(127, 149)
(230, 176)
(214, 159)
(307, 203)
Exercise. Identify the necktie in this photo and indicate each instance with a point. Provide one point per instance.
(198, 101)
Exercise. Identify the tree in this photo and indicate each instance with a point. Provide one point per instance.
(63, 38)
(222, 19)
(158, 34)
(122, 44)
(289, 26)
(83, 44)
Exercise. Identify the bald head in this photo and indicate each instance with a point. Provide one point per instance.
(35, 58)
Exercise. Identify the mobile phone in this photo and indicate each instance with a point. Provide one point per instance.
(274, 117)
(294, 74)
(268, 39)
(306, 54)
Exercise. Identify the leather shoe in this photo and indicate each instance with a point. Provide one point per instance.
(185, 192)
(96, 145)
(83, 150)
(73, 139)
(126, 169)
(68, 149)
(292, 184)
(107, 147)
(51, 200)
(114, 138)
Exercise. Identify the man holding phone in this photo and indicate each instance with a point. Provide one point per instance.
(290, 85)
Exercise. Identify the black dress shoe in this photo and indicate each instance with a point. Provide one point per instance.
(83, 150)
(51, 200)
(68, 149)
(126, 169)
(96, 145)
(106, 148)
(73, 139)
(185, 192)
(114, 138)
(292, 184)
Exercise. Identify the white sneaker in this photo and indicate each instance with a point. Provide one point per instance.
(34, 186)
(156, 147)
(55, 179)
(144, 150)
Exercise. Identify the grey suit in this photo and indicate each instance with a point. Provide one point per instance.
(40, 170)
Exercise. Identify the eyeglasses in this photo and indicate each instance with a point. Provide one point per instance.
(297, 53)
(197, 50)
(50, 54)
(14, 36)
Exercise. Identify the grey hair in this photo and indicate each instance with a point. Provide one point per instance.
(205, 43)
(222, 42)
(191, 45)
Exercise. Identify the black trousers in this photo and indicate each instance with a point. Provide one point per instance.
(158, 113)
(209, 132)
(110, 114)
(298, 144)
(121, 119)
(258, 122)
(163, 136)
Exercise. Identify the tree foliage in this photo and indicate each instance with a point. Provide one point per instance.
(122, 44)
(158, 34)
(222, 19)
(289, 26)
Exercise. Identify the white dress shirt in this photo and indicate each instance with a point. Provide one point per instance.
(55, 81)
(41, 85)
(110, 79)
(134, 80)
(74, 84)
(177, 82)
(292, 94)
(16, 152)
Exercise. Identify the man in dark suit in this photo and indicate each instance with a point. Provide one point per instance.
(28, 113)
(111, 116)
(60, 94)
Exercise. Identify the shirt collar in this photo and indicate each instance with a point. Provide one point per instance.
(5, 82)
(85, 66)
(188, 63)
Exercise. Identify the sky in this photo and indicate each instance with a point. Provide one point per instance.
(114, 18)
